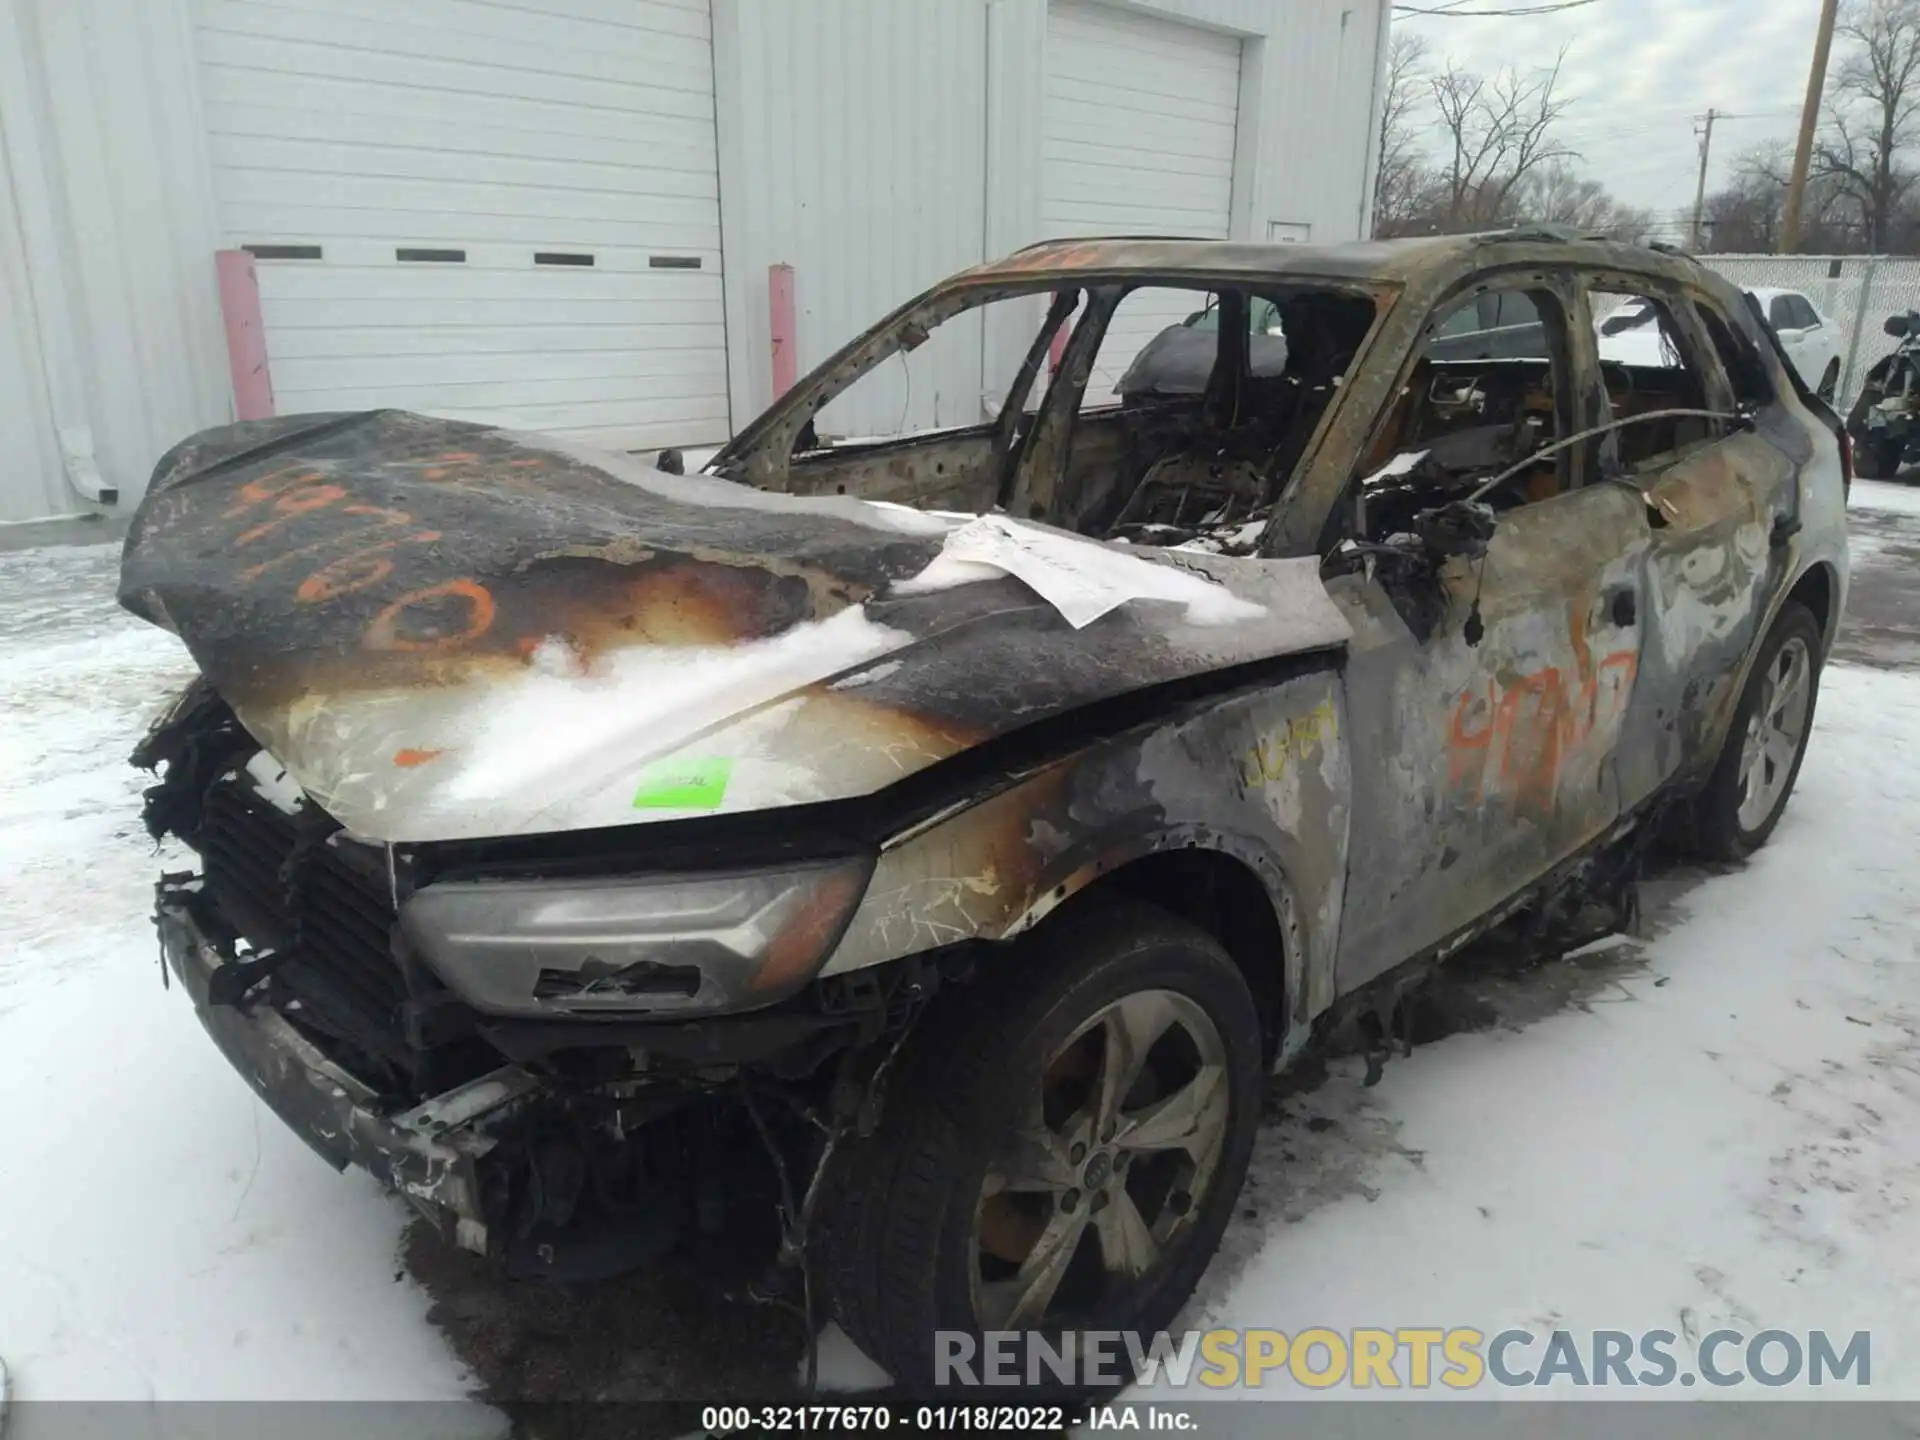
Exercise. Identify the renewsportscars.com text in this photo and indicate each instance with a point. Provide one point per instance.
(1404, 1358)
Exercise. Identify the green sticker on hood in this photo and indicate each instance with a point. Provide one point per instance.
(683, 785)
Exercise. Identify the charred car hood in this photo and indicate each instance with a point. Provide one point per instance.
(444, 631)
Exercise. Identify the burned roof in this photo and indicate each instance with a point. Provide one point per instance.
(1381, 261)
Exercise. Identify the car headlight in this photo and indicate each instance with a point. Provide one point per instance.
(640, 944)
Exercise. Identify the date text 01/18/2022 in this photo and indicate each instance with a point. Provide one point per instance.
(939, 1419)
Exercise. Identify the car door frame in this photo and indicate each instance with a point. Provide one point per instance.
(1482, 764)
(1711, 512)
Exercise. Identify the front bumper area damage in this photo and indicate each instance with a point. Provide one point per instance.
(556, 1143)
(430, 1153)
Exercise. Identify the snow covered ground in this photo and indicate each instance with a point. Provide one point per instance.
(1898, 497)
(162, 1236)
(1726, 1135)
(1723, 1131)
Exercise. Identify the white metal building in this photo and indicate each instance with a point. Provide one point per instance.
(561, 214)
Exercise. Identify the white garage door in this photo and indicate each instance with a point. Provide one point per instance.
(1139, 131)
(495, 212)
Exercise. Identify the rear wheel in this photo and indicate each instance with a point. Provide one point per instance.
(1754, 778)
(1877, 459)
(1060, 1151)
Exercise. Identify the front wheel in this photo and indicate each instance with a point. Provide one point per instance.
(1760, 760)
(1060, 1152)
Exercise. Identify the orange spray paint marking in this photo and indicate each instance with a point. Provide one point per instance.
(442, 466)
(385, 518)
(1464, 743)
(292, 505)
(391, 517)
(345, 575)
(274, 482)
(355, 571)
(410, 759)
(1534, 724)
(383, 632)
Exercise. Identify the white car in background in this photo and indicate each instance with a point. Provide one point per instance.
(1632, 336)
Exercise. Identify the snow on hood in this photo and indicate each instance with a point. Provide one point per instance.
(571, 742)
(443, 631)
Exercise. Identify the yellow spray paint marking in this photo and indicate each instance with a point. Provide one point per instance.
(1270, 755)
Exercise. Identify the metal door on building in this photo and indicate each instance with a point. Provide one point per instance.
(508, 214)
(1140, 123)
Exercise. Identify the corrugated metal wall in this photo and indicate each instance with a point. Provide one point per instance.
(1318, 117)
(878, 146)
(105, 152)
(851, 147)
(874, 145)
(30, 474)
(558, 162)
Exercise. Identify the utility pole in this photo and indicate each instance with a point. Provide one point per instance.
(1700, 195)
(1809, 119)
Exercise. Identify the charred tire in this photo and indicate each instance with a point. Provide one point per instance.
(1877, 459)
(997, 1155)
(1760, 760)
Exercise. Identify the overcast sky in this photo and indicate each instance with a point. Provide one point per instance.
(1641, 71)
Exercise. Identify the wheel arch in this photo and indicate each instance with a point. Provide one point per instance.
(1236, 895)
(1819, 590)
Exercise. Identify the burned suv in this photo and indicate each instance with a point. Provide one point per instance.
(965, 820)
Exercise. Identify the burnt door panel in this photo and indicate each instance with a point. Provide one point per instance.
(1479, 766)
(1712, 515)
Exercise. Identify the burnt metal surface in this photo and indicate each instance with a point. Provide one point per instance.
(1390, 795)
(412, 614)
(355, 552)
(1343, 751)
(1490, 759)
(1262, 777)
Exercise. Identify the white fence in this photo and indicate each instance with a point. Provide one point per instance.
(1856, 293)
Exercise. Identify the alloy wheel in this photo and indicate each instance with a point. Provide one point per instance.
(1775, 732)
(1105, 1170)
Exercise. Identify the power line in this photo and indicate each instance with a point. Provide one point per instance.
(1681, 110)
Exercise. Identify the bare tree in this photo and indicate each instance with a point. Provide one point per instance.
(1405, 173)
(1871, 116)
(1557, 193)
(1744, 217)
(1496, 131)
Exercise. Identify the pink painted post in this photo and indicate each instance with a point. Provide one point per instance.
(782, 327)
(246, 335)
